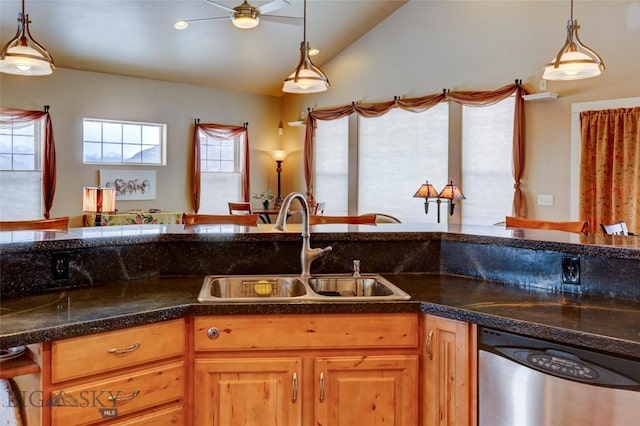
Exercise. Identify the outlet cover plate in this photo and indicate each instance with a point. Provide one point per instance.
(571, 270)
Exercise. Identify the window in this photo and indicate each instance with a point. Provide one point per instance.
(332, 165)
(20, 171)
(123, 142)
(397, 152)
(487, 153)
(221, 180)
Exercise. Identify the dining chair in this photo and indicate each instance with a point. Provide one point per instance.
(618, 228)
(240, 208)
(569, 226)
(220, 219)
(385, 218)
(54, 224)
(319, 208)
(366, 219)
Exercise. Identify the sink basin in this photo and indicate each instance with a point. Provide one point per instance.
(282, 288)
(348, 287)
(251, 288)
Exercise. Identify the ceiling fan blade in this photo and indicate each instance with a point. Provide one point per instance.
(205, 19)
(272, 6)
(221, 6)
(291, 20)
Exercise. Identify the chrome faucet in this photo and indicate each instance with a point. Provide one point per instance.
(307, 254)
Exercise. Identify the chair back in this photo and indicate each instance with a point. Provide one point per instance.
(618, 228)
(54, 224)
(569, 226)
(319, 208)
(385, 218)
(240, 208)
(220, 219)
(365, 219)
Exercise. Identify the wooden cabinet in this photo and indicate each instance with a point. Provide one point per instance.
(134, 376)
(248, 391)
(450, 365)
(371, 390)
(328, 369)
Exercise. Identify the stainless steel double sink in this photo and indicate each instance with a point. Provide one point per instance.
(291, 288)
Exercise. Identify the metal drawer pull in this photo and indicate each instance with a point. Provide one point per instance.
(123, 398)
(213, 333)
(124, 350)
(294, 396)
(428, 345)
(321, 387)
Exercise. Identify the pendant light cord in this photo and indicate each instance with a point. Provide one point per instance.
(304, 23)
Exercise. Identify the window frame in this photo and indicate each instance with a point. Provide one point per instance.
(162, 142)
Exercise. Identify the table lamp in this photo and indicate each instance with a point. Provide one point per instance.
(98, 200)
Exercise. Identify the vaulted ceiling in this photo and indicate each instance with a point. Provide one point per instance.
(137, 38)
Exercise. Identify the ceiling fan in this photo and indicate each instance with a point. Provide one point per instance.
(246, 16)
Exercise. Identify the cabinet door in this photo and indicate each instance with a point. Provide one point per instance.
(247, 392)
(366, 390)
(449, 373)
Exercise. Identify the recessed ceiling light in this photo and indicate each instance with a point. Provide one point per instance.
(313, 51)
(180, 25)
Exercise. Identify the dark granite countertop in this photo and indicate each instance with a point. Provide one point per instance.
(605, 324)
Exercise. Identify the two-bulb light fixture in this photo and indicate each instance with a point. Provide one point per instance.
(22, 55)
(574, 61)
(306, 78)
(449, 193)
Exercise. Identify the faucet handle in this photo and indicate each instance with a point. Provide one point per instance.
(356, 268)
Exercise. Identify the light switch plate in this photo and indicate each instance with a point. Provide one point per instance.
(545, 200)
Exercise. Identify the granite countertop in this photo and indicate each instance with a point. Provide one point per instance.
(611, 325)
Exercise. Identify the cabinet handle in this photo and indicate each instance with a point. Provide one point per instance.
(124, 350)
(428, 344)
(213, 333)
(321, 387)
(123, 398)
(294, 396)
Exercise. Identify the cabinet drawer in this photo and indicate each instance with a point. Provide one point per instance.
(104, 399)
(336, 331)
(98, 353)
(172, 415)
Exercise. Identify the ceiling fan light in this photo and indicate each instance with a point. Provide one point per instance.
(245, 20)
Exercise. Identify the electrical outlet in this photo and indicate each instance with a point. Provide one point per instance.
(545, 200)
(571, 270)
(60, 266)
(542, 85)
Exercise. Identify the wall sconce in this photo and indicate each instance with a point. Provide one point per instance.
(98, 200)
(280, 128)
(450, 192)
(279, 156)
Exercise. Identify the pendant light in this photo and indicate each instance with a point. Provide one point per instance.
(307, 78)
(23, 55)
(574, 60)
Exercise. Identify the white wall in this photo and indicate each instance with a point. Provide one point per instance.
(426, 46)
(73, 95)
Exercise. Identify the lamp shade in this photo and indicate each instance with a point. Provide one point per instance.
(426, 190)
(23, 55)
(451, 192)
(97, 199)
(306, 78)
(575, 60)
(279, 155)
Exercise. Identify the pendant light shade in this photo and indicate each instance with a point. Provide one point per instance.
(306, 78)
(575, 60)
(23, 55)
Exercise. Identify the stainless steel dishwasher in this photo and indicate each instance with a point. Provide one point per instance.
(529, 382)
